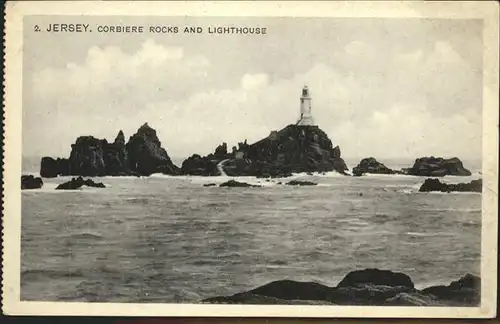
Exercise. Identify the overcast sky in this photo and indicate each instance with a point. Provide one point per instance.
(388, 88)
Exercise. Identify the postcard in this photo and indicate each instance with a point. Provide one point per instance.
(251, 159)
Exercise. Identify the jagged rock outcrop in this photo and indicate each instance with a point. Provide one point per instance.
(201, 166)
(91, 157)
(437, 167)
(77, 183)
(87, 157)
(31, 182)
(436, 185)
(371, 165)
(50, 167)
(366, 287)
(145, 154)
(292, 149)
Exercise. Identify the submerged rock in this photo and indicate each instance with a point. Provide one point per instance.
(436, 185)
(301, 183)
(438, 167)
(233, 183)
(371, 165)
(77, 183)
(31, 182)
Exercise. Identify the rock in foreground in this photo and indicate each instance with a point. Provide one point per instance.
(31, 182)
(366, 287)
(436, 185)
(464, 291)
(371, 165)
(77, 183)
(438, 167)
(376, 277)
(233, 183)
(91, 157)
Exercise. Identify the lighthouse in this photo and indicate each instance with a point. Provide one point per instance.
(305, 108)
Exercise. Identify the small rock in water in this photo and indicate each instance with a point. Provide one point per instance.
(301, 183)
(209, 185)
(436, 185)
(30, 182)
(233, 183)
(77, 183)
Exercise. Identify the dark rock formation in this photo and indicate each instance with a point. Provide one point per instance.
(251, 299)
(200, 166)
(292, 149)
(293, 290)
(365, 287)
(31, 182)
(233, 183)
(87, 157)
(371, 165)
(438, 167)
(145, 154)
(142, 155)
(435, 185)
(77, 183)
(209, 185)
(301, 183)
(463, 291)
(376, 277)
(50, 168)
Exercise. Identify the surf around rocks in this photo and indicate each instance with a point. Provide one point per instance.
(372, 287)
(293, 149)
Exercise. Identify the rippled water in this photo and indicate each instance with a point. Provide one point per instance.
(169, 239)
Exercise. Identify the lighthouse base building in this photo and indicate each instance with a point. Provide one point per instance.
(306, 118)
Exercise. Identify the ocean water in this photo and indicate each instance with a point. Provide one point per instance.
(169, 239)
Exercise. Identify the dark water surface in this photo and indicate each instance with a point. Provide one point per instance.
(169, 239)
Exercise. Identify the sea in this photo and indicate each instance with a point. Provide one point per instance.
(169, 239)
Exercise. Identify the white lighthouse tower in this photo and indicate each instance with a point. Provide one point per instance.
(305, 109)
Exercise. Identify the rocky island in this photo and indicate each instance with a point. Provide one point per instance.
(369, 287)
(31, 182)
(295, 148)
(437, 167)
(142, 155)
(424, 166)
(371, 165)
(435, 185)
(299, 147)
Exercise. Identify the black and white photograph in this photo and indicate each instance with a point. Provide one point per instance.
(217, 159)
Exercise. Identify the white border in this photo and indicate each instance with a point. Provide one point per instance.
(487, 10)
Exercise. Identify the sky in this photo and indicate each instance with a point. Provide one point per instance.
(384, 87)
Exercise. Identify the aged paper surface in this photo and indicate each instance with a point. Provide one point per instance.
(319, 159)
